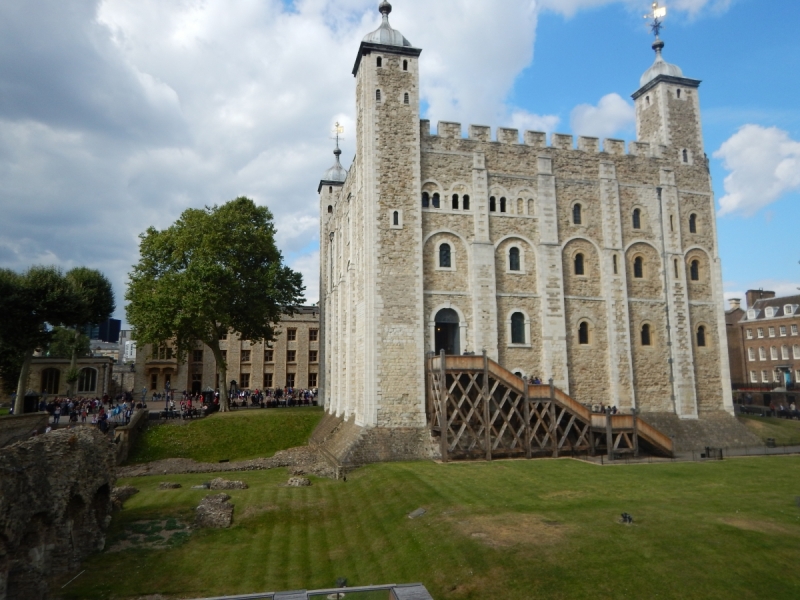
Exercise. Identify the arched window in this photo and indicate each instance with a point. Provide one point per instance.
(615, 265)
(330, 209)
(455, 201)
(692, 223)
(396, 218)
(492, 204)
(330, 189)
(426, 200)
(513, 259)
(679, 93)
(685, 155)
(444, 256)
(583, 334)
(87, 380)
(637, 219)
(646, 335)
(465, 204)
(406, 98)
(638, 267)
(436, 201)
(380, 62)
(405, 65)
(378, 95)
(51, 378)
(576, 214)
(502, 205)
(695, 270)
(517, 328)
(701, 336)
(579, 265)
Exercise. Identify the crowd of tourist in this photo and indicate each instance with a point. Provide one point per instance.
(95, 411)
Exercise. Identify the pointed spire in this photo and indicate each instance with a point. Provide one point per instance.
(337, 173)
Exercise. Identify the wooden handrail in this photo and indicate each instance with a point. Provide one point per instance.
(653, 435)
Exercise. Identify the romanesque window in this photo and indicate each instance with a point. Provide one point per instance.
(637, 219)
(693, 224)
(579, 265)
(518, 328)
(395, 218)
(647, 100)
(583, 334)
(378, 95)
(701, 336)
(465, 202)
(646, 340)
(436, 202)
(695, 270)
(455, 201)
(330, 189)
(444, 256)
(330, 209)
(638, 267)
(531, 207)
(406, 99)
(426, 200)
(513, 259)
(87, 380)
(679, 93)
(380, 62)
(576, 214)
(405, 65)
(502, 205)
(492, 204)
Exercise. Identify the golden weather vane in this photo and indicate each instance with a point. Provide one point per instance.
(337, 132)
(658, 14)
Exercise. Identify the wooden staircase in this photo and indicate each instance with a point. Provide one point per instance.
(479, 410)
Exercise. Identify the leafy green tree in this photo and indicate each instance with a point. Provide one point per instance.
(64, 343)
(215, 270)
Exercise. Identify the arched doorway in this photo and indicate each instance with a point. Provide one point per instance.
(447, 332)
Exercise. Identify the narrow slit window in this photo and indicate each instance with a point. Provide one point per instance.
(380, 62)
(405, 65)
(638, 267)
(701, 336)
(671, 223)
(378, 95)
(646, 339)
(444, 256)
(330, 209)
(455, 201)
(637, 219)
(492, 204)
(615, 265)
(695, 270)
(518, 328)
(693, 224)
(679, 93)
(580, 267)
(426, 200)
(577, 217)
(436, 201)
(583, 334)
(395, 218)
(465, 204)
(513, 259)
(502, 205)
(406, 99)
(676, 268)
(685, 155)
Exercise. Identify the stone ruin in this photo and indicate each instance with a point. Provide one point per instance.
(55, 506)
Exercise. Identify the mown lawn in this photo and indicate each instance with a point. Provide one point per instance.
(235, 435)
(785, 431)
(545, 529)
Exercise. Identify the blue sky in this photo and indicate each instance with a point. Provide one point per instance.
(119, 114)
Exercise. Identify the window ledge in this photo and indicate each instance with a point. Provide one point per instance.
(520, 346)
(451, 269)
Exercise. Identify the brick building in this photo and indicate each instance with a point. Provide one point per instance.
(766, 344)
(593, 265)
(292, 360)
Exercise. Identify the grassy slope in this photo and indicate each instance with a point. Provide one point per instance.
(514, 529)
(235, 435)
(784, 431)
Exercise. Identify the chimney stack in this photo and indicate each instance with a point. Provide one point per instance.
(754, 296)
(736, 303)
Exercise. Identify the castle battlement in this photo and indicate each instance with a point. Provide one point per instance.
(538, 139)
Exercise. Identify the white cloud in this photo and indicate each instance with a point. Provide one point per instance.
(693, 7)
(764, 164)
(612, 116)
(781, 287)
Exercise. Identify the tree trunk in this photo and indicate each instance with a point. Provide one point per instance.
(224, 404)
(19, 402)
(73, 363)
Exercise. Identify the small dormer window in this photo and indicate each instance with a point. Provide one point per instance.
(751, 314)
(788, 310)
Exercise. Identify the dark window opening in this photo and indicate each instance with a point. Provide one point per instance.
(579, 265)
(378, 95)
(679, 93)
(676, 269)
(330, 209)
(405, 65)
(465, 204)
(436, 201)
(426, 200)
(330, 189)
(583, 334)
(685, 156)
(616, 271)
(695, 270)
(693, 224)
(380, 62)
(671, 223)
(645, 335)
(406, 99)
(701, 336)
(502, 205)
(444, 256)
(637, 219)
(455, 201)
(576, 214)
(513, 259)
(492, 204)
(396, 218)
(638, 267)
(517, 328)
